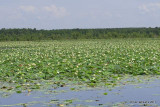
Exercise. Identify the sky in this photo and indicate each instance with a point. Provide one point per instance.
(69, 14)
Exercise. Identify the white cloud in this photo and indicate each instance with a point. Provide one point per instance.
(56, 11)
(28, 8)
(150, 7)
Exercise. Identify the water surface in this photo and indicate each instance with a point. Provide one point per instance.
(127, 93)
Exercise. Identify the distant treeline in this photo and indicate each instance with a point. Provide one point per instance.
(33, 34)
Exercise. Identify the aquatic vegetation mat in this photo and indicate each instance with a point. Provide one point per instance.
(90, 62)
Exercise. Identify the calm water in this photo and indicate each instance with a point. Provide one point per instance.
(126, 95)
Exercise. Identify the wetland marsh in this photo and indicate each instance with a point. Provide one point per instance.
(94, 66)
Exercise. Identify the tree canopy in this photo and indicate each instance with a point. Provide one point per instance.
(33, 34)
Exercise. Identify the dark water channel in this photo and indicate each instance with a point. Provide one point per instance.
(127, 94)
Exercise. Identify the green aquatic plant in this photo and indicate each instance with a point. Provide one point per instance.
(89, 61)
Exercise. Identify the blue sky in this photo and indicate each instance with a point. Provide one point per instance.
(64, 14)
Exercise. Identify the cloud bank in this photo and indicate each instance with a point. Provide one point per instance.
(56, 11)
(51, 10)
(151, 7)
(27, 8)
